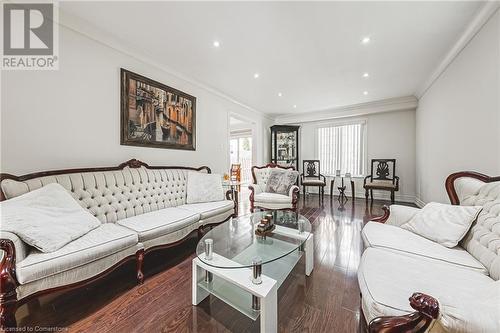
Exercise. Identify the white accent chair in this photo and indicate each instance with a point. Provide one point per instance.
(454, 289)
(259, 198)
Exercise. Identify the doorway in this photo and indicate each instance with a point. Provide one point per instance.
(240, 149)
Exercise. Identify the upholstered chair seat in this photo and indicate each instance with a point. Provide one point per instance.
(380, 184)
(313, 182)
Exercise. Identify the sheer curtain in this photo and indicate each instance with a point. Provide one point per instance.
(342, 147)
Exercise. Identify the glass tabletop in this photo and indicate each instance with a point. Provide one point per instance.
(235, 244)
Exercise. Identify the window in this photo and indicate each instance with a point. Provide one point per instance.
(342, 147)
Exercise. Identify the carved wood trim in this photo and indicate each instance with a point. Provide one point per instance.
(450, 183)
(8, 285)
(139, 257)
(132, 163)
(417, 322)
(252, 197)
(268, 165)
(295, 198)
(384, 217)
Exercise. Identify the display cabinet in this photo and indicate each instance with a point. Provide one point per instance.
(285, 145)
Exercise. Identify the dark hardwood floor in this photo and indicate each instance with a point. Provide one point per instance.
(327, 301)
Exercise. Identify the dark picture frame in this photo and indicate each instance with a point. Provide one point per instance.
(155, 115)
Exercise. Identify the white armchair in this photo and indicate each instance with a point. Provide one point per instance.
(259, 198)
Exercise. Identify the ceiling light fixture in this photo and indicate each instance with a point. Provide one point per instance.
(280, 94)
(366, 75)
(256, 75)
(365, 93)
(295, 106)
(216, 43)
(365, 40)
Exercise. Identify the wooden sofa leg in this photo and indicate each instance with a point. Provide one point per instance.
(139, 255)
(8, 285)
(8, 307)
(366, 195)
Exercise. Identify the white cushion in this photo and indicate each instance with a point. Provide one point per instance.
(444, 224)
(272, 198)
(160, 222)
(103, 241)
(209, 209)
(280, 181)
(380, 235)
(47, 218)
(387, 279)
(401, 214)
(478, 312)
(202, 187)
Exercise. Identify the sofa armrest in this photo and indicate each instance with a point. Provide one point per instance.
(396, 215)
(427, 311)
(400, 215)
(22, 249)
(294, 190)
(8, 280)
(255, 188)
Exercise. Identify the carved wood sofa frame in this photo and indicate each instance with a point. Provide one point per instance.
(8, 281)
(295, 195)
(426, 307)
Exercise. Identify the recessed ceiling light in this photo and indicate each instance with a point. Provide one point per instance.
(366, 75)
(280, 94)
(365, 93)
(295, 106)
(256, 75)
(365, 40)
(216, 43)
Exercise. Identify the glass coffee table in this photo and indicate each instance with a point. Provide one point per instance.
(244, 269)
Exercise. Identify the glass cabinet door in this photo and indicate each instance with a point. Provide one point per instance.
(284, 145)
(286, 148)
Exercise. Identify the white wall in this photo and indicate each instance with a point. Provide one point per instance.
(389, 135)
(458, 118)
(71, 117)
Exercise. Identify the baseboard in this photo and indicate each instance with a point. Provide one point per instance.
(419, 202)
(377, 195)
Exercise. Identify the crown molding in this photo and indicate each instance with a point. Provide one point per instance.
(480, 19)
(88, 30)
(355, 110)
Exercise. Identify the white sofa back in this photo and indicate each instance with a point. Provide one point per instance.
(261, 174)
(115, 194)
(483, 239)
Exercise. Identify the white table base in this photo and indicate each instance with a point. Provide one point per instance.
(242, 278)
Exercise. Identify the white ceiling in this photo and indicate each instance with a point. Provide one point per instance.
(311, 52)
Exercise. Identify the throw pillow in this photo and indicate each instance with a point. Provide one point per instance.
(47, 218)
(443, 224)
(280, 181)
(204, 187)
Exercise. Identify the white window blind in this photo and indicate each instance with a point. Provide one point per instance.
(342, 147)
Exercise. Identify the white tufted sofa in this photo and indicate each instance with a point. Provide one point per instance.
(141, 208)
(259, 198)
(463, 282)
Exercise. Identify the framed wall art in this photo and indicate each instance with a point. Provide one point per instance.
(156, 115)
